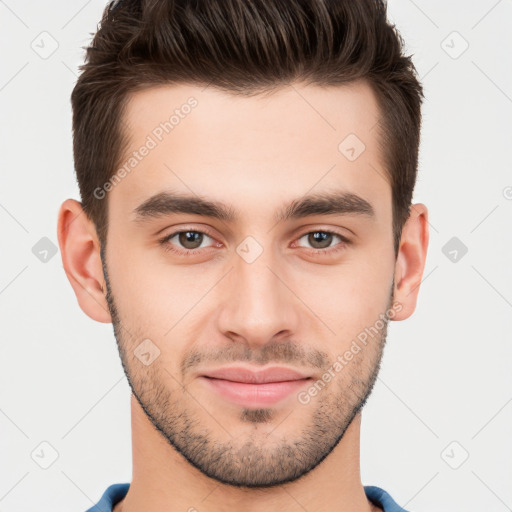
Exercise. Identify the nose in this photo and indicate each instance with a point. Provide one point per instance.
(258, 302)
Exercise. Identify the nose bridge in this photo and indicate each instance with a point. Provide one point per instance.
(258, 306)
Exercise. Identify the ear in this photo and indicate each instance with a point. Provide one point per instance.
(80, 250)
(410, 261)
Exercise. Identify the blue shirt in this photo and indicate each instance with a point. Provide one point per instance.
(116, 492)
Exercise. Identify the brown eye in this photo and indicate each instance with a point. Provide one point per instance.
(320, 239)
(185, 242)
(323, 239)
(190, 239)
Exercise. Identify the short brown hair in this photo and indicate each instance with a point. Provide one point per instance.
(244, 47)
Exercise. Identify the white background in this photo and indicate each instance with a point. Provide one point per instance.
(446, 374)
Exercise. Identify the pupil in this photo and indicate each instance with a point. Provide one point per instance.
(322, 238)
(190, 237)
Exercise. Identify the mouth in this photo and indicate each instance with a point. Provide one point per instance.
(245, 387)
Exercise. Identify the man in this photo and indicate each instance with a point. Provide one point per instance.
(246, 169)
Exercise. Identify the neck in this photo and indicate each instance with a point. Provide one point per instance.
(163, 480)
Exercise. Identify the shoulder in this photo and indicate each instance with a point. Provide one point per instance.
(382, 499)
(112, 495)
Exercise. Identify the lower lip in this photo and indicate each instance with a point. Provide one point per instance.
(254, 395)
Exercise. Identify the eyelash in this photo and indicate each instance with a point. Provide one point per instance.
(191, 252)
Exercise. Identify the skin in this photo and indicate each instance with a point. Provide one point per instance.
(290, 306)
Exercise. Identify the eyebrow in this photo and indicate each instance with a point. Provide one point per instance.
(326, 203)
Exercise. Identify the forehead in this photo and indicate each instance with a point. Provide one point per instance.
(255, 150)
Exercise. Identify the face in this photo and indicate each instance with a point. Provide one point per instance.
(251, 232)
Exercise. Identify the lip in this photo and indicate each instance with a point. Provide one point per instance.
(249, 376)
(249, 388)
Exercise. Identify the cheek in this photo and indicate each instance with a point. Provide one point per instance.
(154, 297)
(347, 311)
(349, 297)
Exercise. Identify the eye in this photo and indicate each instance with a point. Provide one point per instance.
(187, 240)
(321, 241)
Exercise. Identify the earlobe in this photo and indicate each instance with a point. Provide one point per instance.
(410, 262)
(80, 251)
